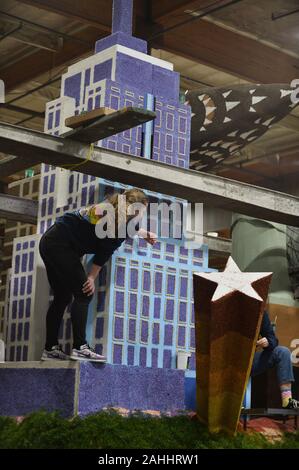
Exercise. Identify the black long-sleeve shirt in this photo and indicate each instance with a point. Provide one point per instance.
(82, 236)
(267, 331)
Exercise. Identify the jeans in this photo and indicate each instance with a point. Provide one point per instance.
(66, 277)
(280, 358)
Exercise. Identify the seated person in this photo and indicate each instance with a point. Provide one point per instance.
(276, 356)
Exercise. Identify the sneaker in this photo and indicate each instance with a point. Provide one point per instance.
(86, 353)
(55, 353)
(292, 405)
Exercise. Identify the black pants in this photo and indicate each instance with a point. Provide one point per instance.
(66, 277)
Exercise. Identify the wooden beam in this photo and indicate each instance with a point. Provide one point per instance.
(265, 171)
(40, 62)
(111, 124)
(86, 118)
(290, 122)
(19, 109)
(169, 10)
(220, 48)
(29, 36)
(97, 13)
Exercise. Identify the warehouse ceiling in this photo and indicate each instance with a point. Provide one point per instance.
(241, 43)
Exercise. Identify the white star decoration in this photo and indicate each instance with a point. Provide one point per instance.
(233, 279)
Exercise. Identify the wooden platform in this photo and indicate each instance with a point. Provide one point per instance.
(104, 122)
(87, 118)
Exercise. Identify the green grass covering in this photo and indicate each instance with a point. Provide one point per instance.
(109, 430)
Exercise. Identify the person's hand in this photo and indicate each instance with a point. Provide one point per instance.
(151, 238)
(88, 286)
(263, 342)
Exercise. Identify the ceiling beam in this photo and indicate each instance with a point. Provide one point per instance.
(201, 41)
(168, 10)
(19, 109)
(265, 170)
(154, 176)
(209, 43)
(42, 61)
(290, 122)
(97, 13)
(27, 35)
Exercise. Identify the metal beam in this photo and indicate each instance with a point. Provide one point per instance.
(11, 165)
(19, 209)
(167, 179)
(218, 245)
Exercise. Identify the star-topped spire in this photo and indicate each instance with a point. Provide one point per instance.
(122, 16)
(233, 279)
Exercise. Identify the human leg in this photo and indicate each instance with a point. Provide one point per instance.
(67, 277)
(280, 358)
(284, 369)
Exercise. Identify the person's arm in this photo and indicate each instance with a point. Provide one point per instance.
(94, 272)
(89, 286)
(150, 237)
(268, 338)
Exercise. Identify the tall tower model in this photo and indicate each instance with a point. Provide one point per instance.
(142, 311)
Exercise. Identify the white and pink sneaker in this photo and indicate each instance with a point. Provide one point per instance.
(86, 353)
(56, 353)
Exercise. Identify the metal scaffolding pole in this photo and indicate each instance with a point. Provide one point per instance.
(18, 209)
(167, 179)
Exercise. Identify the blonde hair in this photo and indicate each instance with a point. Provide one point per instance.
(121, 204)
(132, 196)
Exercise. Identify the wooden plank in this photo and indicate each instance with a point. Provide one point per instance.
(110, 124)
(97, 13)
(86, 118)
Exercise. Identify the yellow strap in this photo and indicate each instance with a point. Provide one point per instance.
(89, 155)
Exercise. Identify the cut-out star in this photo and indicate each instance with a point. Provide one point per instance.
(233, 279)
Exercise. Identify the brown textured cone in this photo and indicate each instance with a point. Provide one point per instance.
(227, 314)
(226, 332)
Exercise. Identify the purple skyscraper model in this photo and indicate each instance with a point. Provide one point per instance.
(142, 311)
